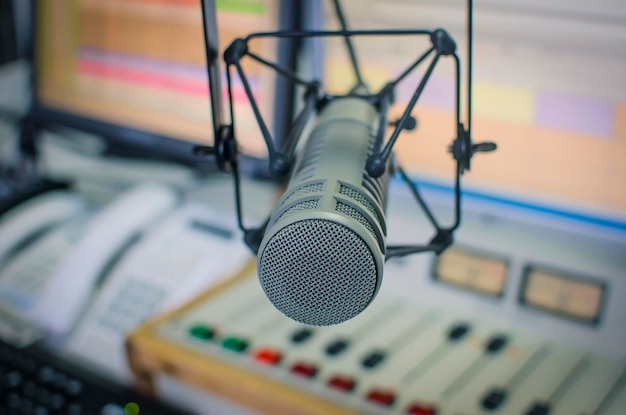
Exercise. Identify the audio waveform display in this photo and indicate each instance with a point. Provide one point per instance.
(553, 103)
(141, 63)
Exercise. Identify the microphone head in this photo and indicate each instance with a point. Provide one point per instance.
(322, 255)
(319, 272)
(321, 260)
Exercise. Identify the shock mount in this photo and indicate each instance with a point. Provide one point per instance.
(281, 160)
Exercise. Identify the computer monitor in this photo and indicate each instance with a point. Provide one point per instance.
(548, 93)
(135, 71)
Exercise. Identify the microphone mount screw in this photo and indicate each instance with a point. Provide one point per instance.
(442, 240)
(463, 149)
(409, 125)
(235, 51)
(280, 164)
(443, 42)
(375, 166)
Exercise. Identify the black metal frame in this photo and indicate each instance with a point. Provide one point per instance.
(281, 160)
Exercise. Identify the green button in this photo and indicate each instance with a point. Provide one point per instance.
(202, 332)
(235, 344)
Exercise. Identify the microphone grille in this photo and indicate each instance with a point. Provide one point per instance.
(299, 207)
(318, 272)
(360, 197)
(356, 215)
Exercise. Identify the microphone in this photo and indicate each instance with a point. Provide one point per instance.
(321, 259)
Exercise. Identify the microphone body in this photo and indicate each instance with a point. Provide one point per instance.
(321, 259)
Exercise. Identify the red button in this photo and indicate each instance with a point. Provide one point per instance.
(343, 383)
(422, 409)
(304, 369)
(268, 355)
(382, 397)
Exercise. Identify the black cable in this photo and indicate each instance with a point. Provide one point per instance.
(470, 41)
(283, 71)
(417, 196)
(411, 67)
(331, 33)
(349, 45)
(257, 113)
(386, 153)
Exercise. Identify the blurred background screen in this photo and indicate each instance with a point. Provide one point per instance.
(141, 63)
(549, 88)
(549, 85)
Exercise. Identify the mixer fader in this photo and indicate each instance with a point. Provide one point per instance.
(397, 357)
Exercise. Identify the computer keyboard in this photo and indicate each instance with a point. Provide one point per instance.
(35, 382)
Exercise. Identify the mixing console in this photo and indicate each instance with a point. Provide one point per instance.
(397, 357)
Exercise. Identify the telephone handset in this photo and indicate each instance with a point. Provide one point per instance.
(67, 291)
(189, 250)
(23, 277)
(34, 217)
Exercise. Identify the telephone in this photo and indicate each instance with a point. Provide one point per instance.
(187, 252)
(34, 217)
(23, 277)
(95, 277)
(57, 272)
(68, 290)
(22, 227)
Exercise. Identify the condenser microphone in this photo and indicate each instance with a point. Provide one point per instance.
(321, 259)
